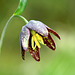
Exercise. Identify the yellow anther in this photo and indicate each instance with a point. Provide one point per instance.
(40, 38)
(36, 41)
(32, 42)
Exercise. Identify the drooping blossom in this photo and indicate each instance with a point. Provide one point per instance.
(34, 33)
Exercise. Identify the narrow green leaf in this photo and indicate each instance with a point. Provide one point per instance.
(21, 7)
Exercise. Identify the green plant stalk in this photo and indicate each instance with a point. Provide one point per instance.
(24, 19)
(17, 13)
(4, 30)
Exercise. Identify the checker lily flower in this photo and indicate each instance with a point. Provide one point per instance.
(34, 33)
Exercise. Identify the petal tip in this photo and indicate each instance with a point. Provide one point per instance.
(23, 55)
(52, 31)
(54, 49)
(38, 60)
(23, 58)
(59, 38)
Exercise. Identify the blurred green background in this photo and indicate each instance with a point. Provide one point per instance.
(57, 14)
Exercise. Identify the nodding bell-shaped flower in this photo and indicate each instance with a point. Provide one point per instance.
(33, 33)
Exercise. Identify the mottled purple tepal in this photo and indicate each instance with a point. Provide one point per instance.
(44, 33)
(24, 37)
(37, 26)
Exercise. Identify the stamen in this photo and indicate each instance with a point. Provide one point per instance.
(40, 38)
(36, 41)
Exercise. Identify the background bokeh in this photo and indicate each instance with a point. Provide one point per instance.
(57, 14)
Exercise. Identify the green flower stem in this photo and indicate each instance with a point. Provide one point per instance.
(4, 30)
(25, 20)
(3, 33)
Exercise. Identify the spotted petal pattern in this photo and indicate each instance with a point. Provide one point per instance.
(22, 52)
(52, 31)
(35, 53)
(49, 42)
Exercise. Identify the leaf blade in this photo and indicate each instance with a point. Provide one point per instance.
(21, 7)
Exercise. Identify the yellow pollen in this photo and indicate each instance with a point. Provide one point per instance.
(36, 41)
(40, 38)
(36, 38)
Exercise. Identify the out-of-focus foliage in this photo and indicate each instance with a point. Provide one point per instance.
(57, 14)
